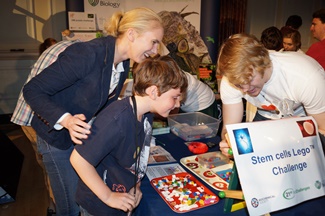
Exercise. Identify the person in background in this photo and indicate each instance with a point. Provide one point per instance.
(86, 77)
(279, 84)
(291, 41)
(293, 22)
(271, 38)
(199, 98)
(113, 160)
(46, 44)
(317, 50)
(23, 114)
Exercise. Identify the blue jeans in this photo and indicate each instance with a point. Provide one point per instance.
(63, 178)
(84, 212)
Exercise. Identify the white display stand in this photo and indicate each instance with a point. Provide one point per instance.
(280, 163)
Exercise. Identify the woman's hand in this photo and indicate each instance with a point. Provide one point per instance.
(77, 127)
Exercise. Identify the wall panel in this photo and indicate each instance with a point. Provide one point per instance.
(13, 74)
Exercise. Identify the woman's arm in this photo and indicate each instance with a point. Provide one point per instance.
(41, 91)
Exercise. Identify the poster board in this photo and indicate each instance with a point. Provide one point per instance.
(81, 21)
(273, 159)
(104, 9)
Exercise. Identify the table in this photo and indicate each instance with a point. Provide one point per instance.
(11, 160)
(153, 205)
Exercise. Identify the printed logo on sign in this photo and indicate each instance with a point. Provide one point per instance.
(93, 2)
(318, 184)
(288, 194)
(254, 202)
(110, 4)
(291, 193)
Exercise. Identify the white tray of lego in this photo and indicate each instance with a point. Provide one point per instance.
(217, 177)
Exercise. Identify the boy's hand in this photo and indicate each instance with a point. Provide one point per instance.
(138, 195)
(123, 201)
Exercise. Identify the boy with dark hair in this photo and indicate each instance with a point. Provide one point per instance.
(113, 160)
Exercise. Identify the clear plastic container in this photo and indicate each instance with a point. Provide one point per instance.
(211, 160)
(193, 126)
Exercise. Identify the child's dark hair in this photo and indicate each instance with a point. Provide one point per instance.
(271, 38)
(46, 44)
(161, 71)
(320, 14)
(294, 21)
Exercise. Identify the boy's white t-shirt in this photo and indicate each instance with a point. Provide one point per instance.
(297, 84)
(199, 95)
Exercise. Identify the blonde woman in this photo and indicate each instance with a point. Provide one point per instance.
(86, 77)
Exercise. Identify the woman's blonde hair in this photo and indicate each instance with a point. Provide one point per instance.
(141, 19)
(239, 56)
